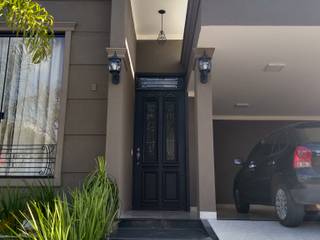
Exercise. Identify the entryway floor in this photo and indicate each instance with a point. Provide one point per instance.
(177, 215)
(264, 230)
(157, 229)
(257, 213)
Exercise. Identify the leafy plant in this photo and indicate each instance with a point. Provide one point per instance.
(44, 192)
(95, 208)
(13, 201)
(90, 215)
(33, 22)
(46, 222)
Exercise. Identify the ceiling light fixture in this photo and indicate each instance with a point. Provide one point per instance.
(161, 36)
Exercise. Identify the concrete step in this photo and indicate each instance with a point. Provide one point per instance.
(132, 229)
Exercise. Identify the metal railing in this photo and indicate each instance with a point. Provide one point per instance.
(27, 161)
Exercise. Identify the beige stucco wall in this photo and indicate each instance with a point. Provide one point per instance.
(204, 146)
(153, 57)
(120, 120)
(85, 128)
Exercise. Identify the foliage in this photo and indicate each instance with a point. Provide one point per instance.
(47, 222)
(13, 201)
(96, 206)
(44, 192)
(90, 215)
(33, 22)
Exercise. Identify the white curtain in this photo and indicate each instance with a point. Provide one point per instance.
(31, 102)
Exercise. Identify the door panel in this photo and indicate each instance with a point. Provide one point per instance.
(150, 186)
(160, 168)
(150, 131)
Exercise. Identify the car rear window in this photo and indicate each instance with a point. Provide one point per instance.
(308, 134)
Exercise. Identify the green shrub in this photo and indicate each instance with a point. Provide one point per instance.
(95, 207)
(14, 200)
(90, 215)
(46, 221)
(44, 192)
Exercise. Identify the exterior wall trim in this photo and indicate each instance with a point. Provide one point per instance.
(265, 118)
(191, 31)
(67, 28)
(58, 26)
(63, 108)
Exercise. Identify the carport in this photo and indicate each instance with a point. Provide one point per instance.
(265, 76)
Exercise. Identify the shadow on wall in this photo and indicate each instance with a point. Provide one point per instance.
(234, 139)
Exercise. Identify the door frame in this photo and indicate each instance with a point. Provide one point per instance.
(135, 204)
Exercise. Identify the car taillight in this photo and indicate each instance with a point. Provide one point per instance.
(302, 157)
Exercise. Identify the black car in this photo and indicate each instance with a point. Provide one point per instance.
(282, 170)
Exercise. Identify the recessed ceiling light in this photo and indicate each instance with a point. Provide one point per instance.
(241, 105)
(275, 67)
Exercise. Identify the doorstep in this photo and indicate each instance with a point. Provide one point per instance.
(157, 229)
(174, 215)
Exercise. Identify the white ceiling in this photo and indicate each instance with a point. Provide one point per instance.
(147, 19)
(241, 55)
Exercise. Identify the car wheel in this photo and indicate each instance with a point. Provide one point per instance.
(241, 205)
(289, 213)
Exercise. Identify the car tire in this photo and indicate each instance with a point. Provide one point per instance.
(289, 212)
(242, 206)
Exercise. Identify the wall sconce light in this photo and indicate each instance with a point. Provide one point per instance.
(204, 68)
(115, 68)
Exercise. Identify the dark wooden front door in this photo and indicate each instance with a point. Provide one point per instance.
(159, 162)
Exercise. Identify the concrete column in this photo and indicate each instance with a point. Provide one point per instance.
(120, 113)
(204, 145)
(119, 139)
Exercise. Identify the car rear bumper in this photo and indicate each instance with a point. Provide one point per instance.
(309, 194)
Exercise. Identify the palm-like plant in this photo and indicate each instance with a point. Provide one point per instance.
(90, 213)
(46, 221)
(96, 206)
(28, 18)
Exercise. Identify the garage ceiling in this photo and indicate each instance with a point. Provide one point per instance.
(241, 56)
(147, 18)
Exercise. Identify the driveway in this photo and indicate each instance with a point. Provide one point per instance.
(263, 230)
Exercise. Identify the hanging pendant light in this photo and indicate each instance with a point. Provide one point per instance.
(161, 36)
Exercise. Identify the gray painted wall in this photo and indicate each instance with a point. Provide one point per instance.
(86, 110)
(234, 139)
(155, 58)
(262, 12)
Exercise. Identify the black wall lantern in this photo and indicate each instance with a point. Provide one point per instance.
(115, 68)
(204, 68)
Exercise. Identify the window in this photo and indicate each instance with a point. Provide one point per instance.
(30, 102)
(281, 143)
(308, 134)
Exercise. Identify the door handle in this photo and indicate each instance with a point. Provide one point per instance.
(138, 155)
(252, 166)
